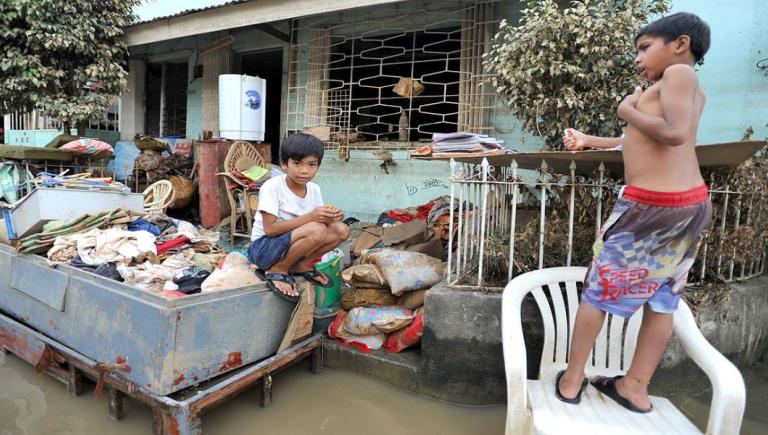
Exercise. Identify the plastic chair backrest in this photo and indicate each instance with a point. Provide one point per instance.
(158, 196)
(555, 291)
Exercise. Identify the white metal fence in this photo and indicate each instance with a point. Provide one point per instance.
(495, 214)
(33, 120)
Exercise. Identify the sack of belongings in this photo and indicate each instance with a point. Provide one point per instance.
(406, 337)
(405, 271)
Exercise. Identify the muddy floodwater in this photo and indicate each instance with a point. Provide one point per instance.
(333, 402)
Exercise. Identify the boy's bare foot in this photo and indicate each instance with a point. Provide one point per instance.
(570, 385)
(631, 395)
(282, 282)
(304, 268)
(634, 392)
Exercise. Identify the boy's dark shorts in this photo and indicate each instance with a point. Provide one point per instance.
(645, 249)
(265, 251)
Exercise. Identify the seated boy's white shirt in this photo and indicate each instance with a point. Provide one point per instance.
(277, 199)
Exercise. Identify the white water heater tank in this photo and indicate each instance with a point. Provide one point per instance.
(242, 101)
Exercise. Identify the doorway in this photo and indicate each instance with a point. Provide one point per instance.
(166, 99)
(269, 66)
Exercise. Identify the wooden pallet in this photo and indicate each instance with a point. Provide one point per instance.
(179, 413)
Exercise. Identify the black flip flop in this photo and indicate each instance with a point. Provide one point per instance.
(312, 275)
(574, 401)
(282, 277)
(607, 386)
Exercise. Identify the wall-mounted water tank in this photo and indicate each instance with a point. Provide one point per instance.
(242, 101)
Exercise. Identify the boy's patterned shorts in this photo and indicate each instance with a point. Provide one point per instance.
(645, 249)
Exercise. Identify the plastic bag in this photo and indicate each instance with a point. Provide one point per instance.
(405, 271)
(365, 343)
(367, 321)
(234, 273)
(406, 337)
(364, 276)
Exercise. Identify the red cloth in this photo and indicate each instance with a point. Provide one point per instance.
(406, 337)
(173, 294)
(171, 244)
(406, 214)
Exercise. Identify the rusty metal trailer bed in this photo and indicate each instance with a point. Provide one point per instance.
(175, 414)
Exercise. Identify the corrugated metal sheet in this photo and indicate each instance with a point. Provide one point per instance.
(190, 11)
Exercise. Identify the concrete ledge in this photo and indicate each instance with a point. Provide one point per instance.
(737, 327)
(399, 369)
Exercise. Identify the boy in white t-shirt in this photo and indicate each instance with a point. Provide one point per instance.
(292, 226)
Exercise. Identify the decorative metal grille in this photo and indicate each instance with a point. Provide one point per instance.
(345, 68)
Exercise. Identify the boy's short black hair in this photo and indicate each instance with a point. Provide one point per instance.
(300, 145)
(673, 26)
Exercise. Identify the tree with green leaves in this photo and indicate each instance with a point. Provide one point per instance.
(67, 59)
(570, 67)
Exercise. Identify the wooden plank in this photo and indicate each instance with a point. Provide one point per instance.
(74, 381)
(723, 154)
(116, 409)
(219, 396)
(300, 325)
(317, 359)
(266, 390)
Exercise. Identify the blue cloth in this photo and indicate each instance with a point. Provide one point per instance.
(142, 224)
(265, 251)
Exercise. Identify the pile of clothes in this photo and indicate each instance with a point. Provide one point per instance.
(154, 252)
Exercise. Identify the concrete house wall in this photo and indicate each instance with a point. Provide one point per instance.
(736, 88)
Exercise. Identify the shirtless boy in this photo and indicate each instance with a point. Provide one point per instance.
(646, 247)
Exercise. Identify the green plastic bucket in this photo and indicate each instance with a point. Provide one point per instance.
(325, 297)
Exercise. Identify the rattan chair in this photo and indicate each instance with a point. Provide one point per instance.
(158, 196)
(242, 156)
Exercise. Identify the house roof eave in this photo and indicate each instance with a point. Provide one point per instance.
(233, 15)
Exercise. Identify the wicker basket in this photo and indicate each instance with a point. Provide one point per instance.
(184, 189)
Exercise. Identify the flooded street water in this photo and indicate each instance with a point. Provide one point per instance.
(334, 402)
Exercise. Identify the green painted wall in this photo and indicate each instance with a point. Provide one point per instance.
(736, 89)
(737, 94)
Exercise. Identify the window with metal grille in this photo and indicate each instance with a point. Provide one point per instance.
(391, 76)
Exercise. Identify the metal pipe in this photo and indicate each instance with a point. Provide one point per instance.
(450, 220)
(571, 208)
(542, 217)
(485, 168)
(722, 231)
(513, 221)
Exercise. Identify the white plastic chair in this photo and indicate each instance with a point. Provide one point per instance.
(158, 196)
(531, 404)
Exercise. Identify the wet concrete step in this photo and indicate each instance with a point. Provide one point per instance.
(400, 369)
